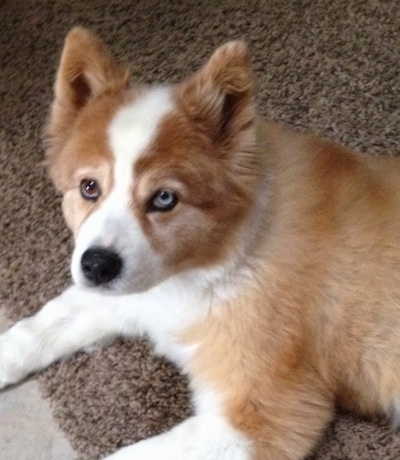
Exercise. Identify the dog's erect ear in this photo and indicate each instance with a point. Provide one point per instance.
(220, 95)
(219, 100)
(86, 71)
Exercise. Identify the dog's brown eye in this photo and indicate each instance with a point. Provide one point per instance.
(90, 189)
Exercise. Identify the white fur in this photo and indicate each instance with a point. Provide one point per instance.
(202, 437)
(82, 316)
(133, 128)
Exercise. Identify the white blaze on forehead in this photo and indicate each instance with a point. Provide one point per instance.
(113, 224)
(133, 129)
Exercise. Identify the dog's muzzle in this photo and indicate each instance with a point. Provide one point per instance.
(100, 265)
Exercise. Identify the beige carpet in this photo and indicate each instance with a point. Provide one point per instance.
(331, 66)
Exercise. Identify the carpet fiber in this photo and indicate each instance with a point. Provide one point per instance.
(330, 66)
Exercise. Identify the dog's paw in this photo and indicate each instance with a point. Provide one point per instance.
(141, 451)
(8, 377)
(10, 371)
(152, 449)
(196, 438)
(4, 381)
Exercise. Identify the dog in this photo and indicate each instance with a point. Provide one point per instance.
(265, 263)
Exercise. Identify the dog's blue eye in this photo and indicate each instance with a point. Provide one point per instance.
(163, 200)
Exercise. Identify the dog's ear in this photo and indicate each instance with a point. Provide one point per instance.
(86, 71)
(220, 95)
(219, 100)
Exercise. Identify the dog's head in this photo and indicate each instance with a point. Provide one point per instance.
(155, 179)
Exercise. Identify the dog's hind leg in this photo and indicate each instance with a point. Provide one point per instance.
(201, 437)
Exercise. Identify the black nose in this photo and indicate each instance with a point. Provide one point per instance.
(100, 265)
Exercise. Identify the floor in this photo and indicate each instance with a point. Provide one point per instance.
(28, 431)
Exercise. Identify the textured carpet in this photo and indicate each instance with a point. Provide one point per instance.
(329, 66)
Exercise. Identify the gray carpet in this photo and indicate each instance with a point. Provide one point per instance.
(330, 66)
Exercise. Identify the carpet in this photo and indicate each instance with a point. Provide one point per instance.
(329, 66)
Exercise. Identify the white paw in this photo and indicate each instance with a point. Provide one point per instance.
(193, 439)
(149, 449)
(10, 371)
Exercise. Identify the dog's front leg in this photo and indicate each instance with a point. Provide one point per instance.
(72, 321)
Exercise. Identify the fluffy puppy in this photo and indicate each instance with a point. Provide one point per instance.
(264, 263)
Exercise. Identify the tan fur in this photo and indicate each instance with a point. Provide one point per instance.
(202, 186)
(319, 322)
(315, 318)
(204, 149)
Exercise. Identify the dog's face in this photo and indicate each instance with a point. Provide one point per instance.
(155, 180)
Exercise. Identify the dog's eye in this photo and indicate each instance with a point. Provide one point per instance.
(90, 189)
(163, 200)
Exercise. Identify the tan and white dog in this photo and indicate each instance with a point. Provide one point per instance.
(265, 263)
